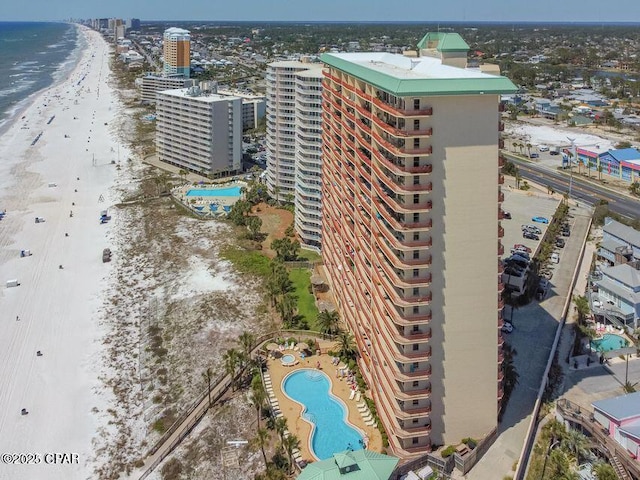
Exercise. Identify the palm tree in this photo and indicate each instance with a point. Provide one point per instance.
(328, 321)
(515, 145)
(231, 359)
(346, 345)
(286, 307)
(576, 444)
(183, 175)
(599, 172)
(247, 340)
(280, 425)
(582, 308)
(289, 444)
(529, 149)
(258, 396)
(261, 440)
(634, 188)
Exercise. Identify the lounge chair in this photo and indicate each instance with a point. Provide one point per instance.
(361, 404)
(371, 423)
(358, 396)
(297, 456)
(363, 408)
(352, 394)
(367, 418)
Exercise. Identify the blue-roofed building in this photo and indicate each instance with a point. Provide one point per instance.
(620, 416)
(623, 163)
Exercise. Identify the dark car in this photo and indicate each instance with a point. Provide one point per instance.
(507, 215)
(534, 155)
(530, 236)
(566, 232)
(559, 242)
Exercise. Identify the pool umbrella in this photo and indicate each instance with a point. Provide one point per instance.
(316, 280)
(302, 346)
(271, 346)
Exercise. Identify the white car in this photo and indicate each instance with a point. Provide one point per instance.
(507, 327)
(597, 303)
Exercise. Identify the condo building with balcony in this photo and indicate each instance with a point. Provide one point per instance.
(176, 52)
(294, 143)
(411, 234)
(201, 133)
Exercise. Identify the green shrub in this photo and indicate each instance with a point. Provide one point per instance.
(447, 452)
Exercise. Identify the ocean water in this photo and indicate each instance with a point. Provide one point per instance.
(34, 56)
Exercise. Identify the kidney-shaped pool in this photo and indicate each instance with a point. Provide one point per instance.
(327, 414)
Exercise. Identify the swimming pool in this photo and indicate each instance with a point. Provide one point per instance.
(328, 415)
(608, 342)
(215, 192)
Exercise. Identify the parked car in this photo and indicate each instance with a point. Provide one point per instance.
(507, 215)
(534, 155)
(507, 327)
(559, 242)
(523, 255)
(555, 257)
(530, 235)
(521, 247)
(532, 229)
(566, 232)
(544, 283)
(540, 219)
(517, 261)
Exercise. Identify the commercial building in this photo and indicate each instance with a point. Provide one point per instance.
(176, 49)
(411, 234)
(151, 84)
(200, 133)
(294, 144)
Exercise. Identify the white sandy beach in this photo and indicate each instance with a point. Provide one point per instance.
(55, 310)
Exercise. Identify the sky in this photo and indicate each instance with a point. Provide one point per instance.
(330, 10)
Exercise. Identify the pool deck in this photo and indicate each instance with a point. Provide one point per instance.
(293, 410)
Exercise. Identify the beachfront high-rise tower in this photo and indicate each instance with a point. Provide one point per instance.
(199, 132)
(176, 51)
(294, 143)
(411, 234)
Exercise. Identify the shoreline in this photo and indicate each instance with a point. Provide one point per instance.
(62, 73)
(57, 307)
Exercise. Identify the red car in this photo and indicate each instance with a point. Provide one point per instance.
(519, 246)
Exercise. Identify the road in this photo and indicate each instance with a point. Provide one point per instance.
(581, 190)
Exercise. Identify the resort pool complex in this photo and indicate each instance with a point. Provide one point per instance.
(608, 342)
(331, 433)
(215, 192)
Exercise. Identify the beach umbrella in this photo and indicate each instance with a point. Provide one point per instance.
(316, 280)
(271, 346)
(303, 346)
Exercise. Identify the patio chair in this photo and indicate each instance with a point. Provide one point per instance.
(352, 394)
(363, 408)
(358, 396)
(361, 404)
(371, 423)
(367, 418)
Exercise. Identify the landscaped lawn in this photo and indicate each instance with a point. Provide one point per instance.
(300, 277)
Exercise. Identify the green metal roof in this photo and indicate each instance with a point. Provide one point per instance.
(351, 465)
(447, 42)
(419, 87)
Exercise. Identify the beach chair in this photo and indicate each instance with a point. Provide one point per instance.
(361, 404)
(367, 418)
(358, 396)
(352, 394)
(363, 408)
(371, 423)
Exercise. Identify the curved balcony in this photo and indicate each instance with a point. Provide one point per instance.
(349, 87)
(400, 244)
(393, 201)
(397, 279)
(501, 126)
(390, 109)
(363, 95)
(399, 169)
(401, 151)
(501, 144)
(350, 115)
(500, 231)
(500, 249)
(501, 161)
(363, 111)
(349, 101)
(408, 301)
(397, 187)
(401, 225)
(386, 306)
(402, 263)
(331, 100)
(366, 129)
(332, 77)
(500, 196)
(500, 179)
(362, 156)
(396, 132)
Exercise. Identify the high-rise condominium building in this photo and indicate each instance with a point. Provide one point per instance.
(411, 234)
(176, 52)
(294, 144)
(200, 133)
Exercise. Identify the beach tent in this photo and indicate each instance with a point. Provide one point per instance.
(351, 465)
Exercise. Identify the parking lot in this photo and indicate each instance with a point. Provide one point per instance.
(534, 325)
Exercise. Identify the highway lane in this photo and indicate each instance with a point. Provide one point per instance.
(581, 190)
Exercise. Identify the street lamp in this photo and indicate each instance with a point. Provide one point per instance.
(573, 152)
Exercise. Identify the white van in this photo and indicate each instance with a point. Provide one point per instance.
(543, 148)
(555, 258)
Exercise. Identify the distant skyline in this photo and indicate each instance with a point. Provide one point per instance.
(564, 11)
